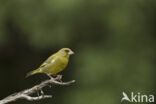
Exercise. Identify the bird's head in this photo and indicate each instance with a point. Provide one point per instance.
(66, 52)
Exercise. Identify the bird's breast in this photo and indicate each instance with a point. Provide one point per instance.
(63, 62)
(59, 64)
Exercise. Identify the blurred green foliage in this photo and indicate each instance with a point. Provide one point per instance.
(114, 45)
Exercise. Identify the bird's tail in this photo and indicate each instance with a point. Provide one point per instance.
(32, 72)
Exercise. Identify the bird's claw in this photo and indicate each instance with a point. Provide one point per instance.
(59, 78)
(50, 76)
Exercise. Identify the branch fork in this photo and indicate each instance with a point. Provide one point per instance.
(25, 94)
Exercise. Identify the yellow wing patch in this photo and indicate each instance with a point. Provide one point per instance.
(48, 61)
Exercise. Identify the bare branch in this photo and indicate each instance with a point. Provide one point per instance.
(35, 98)
(25, 94)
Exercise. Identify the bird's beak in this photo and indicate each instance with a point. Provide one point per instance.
(71, 53)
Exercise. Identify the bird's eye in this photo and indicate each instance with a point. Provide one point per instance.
(67, 51)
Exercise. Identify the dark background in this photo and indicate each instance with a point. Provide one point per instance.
(113, 40)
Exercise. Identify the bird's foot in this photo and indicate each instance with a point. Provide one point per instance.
(50, 77)
(59, 78)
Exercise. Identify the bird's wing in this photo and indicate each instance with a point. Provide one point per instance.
(48, 61)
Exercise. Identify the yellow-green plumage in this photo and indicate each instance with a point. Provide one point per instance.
(55, 63)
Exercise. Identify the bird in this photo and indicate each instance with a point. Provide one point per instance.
(56, 63)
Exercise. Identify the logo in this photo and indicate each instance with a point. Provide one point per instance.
(137, 97)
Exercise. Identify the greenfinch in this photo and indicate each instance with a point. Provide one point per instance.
(55, 63)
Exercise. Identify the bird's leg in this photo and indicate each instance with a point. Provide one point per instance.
(49, 75)
(59, 78)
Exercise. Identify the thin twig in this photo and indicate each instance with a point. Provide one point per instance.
(25, 94)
